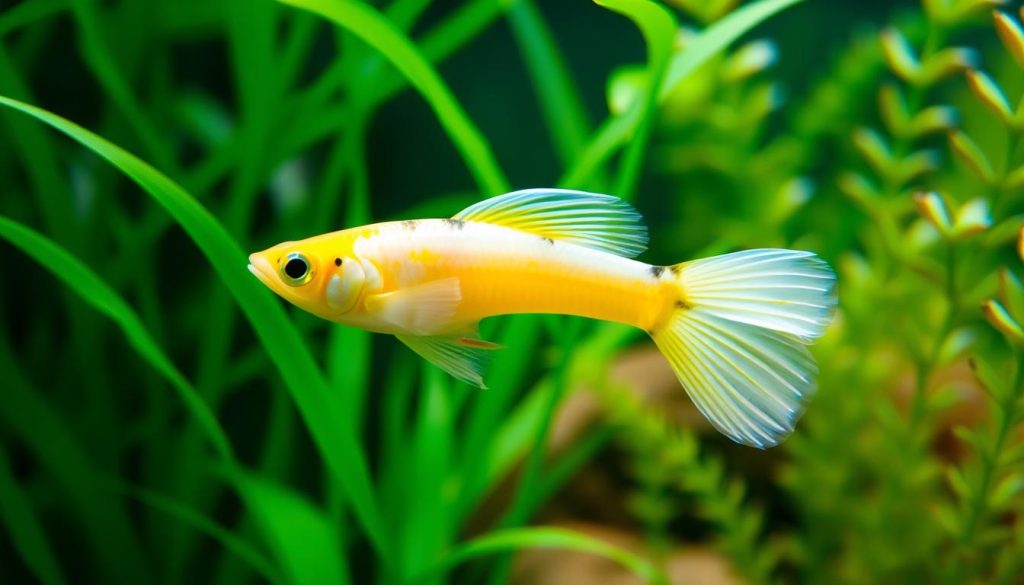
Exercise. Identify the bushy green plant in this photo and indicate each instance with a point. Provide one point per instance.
(165, 419)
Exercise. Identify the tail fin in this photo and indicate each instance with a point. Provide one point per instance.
(738, 339)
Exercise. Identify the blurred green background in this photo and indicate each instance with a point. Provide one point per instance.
(163, 418)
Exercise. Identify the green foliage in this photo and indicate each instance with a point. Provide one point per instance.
(162, 415)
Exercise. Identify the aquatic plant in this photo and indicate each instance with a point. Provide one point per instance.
(162, 416)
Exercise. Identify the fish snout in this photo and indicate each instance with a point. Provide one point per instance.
(261, 268)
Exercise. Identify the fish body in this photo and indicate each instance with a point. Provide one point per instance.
(734, 327)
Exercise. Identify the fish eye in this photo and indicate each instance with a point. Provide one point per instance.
(296, 270)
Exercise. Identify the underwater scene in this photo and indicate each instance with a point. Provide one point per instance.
(511, 291)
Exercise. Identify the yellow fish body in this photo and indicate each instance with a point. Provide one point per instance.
(734, 327)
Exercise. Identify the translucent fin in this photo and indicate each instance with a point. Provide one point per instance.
(601, 222)
(786, 290)
(738, 341)
(453, 355)
(423, 309)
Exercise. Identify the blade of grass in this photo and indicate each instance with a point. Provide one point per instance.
(659, 29)
(306, 545)
(238, 547)
(509, 438)
(97, 55)
(104, 521)
(568, 463)
(488, 410)
(374, 29)
(405, 13)
(26, 532)
(568, 332)
(545, 537)
(395, 435)
(553, 83)
(87, 285)
(618, 128)
(446, 38)
(27, 13)
(274, 460)
(252, 30)
(37, 159)
(428, 528)
(337, 443)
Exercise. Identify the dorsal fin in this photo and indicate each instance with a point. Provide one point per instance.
(601, 222)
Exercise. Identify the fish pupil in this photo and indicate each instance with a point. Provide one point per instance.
(296, 268)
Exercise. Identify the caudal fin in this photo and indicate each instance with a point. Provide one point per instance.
(738, 339)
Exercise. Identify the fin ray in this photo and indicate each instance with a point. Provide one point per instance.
(738, 344)
(451, 354)
(593, 220)
(422, 309)
(784, 290)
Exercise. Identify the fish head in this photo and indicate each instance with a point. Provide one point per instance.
(320, 275)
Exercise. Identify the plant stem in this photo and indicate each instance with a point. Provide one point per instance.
(1007, 416)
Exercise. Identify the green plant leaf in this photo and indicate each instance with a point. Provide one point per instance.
(102, 520)
(544, 537)
(87, 285)
(560, 101)
(659, 30)
(26, 13)
(285, 347)
(307, 545)
(380, 33)
(617, 129)
(24, 527)
(428, 529)
(197, 520)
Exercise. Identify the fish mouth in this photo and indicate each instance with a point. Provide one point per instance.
(261, 269)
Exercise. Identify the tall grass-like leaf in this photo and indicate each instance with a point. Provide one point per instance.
(559, 538)
(617, 129)
(451, 34)
(37, 157)
(286, 348)
(103, 520)
(428, 528)
(25, 529)
(87, 285)
(307, 545)
(26, 13)
(659, 30)
(100, 60)
(560, 102)
(377, 31)
(197, 520)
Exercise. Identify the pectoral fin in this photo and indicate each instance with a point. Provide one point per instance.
(422, 309)
(463, 357)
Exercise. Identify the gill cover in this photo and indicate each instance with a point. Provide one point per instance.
(345, 285)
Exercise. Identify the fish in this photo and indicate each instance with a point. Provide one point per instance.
(735, 328)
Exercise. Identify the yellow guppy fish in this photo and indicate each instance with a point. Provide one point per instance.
(735, 328)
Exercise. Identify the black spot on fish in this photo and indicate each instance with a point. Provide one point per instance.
(409, 224)
(337, 261)
(676, 269)
(656, 271)
(455, 223)
(681, 304)
(548, 240)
